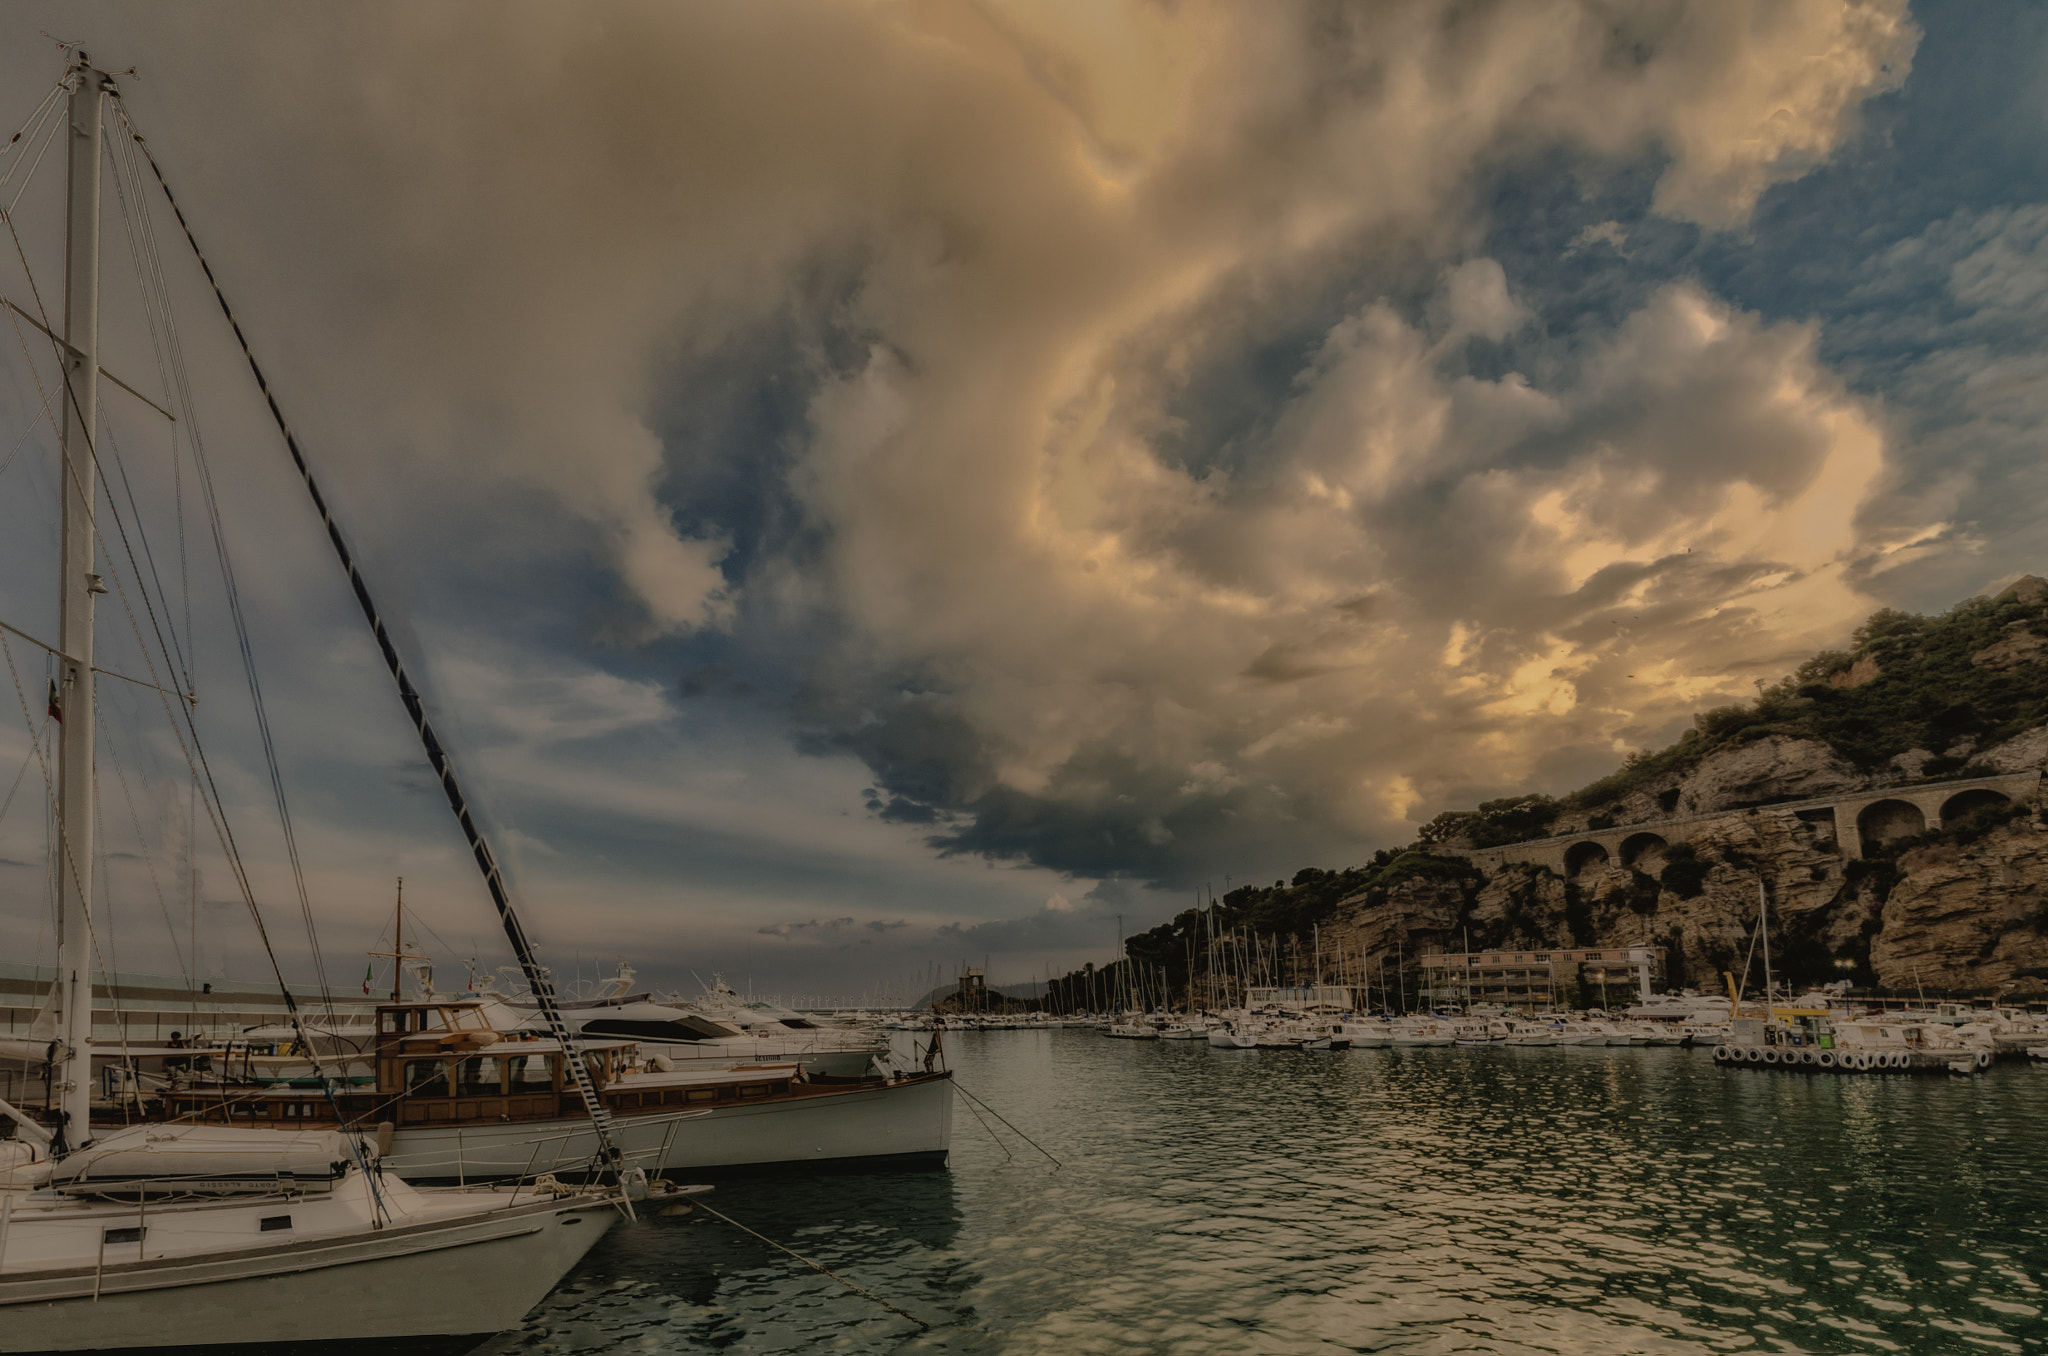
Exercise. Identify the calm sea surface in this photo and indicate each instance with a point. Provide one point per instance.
(1581, 1200)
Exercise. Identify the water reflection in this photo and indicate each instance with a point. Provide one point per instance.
(1433, 1200)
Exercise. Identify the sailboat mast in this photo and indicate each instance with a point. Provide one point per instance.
(398, 945)
(72, 703)
(539, 979)
(1763, 922)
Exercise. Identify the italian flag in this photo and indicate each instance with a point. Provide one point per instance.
(368, 970)
(56, 707)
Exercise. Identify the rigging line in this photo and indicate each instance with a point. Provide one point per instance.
(539, 980)
(157, 298)
(142, 244)
(129, 233)
(230, 585)
(246, 648)
(48, 137)
(104, 673)
(128, 548)
(21, 442)
(216, 811)
(148, 858)
(174, 653)
(35, 118)
(215, 804)
(55, 339)
(70, 859)
(109, 960)
(5, 805)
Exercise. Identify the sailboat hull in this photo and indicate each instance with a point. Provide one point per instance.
(452, 1281)
(898, 1125)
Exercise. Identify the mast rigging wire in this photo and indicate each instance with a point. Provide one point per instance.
(537, 976)
(148, 858)
(147, 258)
(216, 807)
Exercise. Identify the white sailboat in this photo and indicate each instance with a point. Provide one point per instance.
(160, 1237)
(165, 1236)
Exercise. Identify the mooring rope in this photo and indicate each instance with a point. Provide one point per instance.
(1008, 1157)
(864, 1294)
(999, 1116)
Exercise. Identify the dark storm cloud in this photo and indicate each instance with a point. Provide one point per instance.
(1210, 450)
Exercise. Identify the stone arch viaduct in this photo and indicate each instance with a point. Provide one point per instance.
(1850, 820)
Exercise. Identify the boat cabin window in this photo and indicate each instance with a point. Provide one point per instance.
(676, 1030)
(395, 1021)
(477, 1076)
(426, 1077)
(462, 1019)
(530, 1073)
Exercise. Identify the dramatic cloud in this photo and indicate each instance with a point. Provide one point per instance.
(1136, 442)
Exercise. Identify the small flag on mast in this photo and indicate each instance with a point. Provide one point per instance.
(56, 707)
(368, 970)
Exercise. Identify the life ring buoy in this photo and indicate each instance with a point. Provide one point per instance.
(1824, 1058)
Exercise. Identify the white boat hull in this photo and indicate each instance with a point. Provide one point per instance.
(470, 1278)
(898, 1125)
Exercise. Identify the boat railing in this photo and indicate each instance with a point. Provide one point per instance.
(465, 1159)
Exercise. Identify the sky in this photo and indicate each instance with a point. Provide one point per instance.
(873, 487)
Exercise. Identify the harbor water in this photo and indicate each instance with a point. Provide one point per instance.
(1436, 1200)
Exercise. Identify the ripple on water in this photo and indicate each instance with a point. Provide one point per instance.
(1415, 1201)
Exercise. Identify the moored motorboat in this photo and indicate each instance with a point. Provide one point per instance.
(160, 1237)
(467, 1103)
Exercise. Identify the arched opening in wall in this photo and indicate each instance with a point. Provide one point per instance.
(1964, 802)
(1643, 851)
(1582, 856)
(1885, 820)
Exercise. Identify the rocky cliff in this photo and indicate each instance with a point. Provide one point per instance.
(1962, 909)
(1912, 706)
